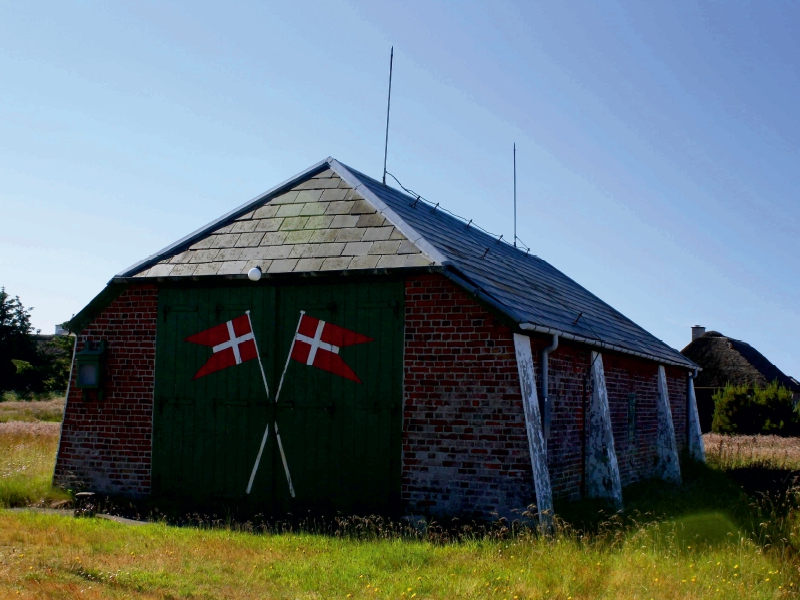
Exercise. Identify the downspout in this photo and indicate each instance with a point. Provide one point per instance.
(692, 375)
(64, 410)
(545, 400)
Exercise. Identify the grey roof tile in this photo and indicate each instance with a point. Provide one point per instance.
(306, 196)
(233, 267)
(286, 198)
(313, 208)
(261, 264)
(249, 239)
(301, 236)
(333, 249)
(341, 207)
(391, 261)
(407, 247)
(259, 253)
(338, 263)
(266, 211)
(160, 270)
(385, 247)
(350, 234)
(304, 251)
(377, 233)
(269, 224)
(324, 235)
(282, 266)
(374, 220)
(362, 207)
(274, 238)
(357, 248)
(226, 240)
(309, 264)
(369, 261)
(227, 254)
(243, 226)
(342, 221)
(183, 269)
(290, 210)
(203, 244)
(397, 235)
(319, 222)
(294, 223)
(417, 260)
(331, 195)
(275, 252)
(207, 268)
(200, 256)
(180, 258)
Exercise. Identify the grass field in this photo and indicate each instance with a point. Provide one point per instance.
(705, 539)
(32, 411)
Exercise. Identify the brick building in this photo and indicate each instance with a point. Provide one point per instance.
(336, 344)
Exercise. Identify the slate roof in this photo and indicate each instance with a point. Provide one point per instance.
(727, 360)
(334, 218)
(319, 224)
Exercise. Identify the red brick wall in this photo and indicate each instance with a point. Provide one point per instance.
(106, 444)
(569, 368)
(464, 442)
(465, 449)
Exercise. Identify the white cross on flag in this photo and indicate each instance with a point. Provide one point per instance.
(317, 344)
(233, 343)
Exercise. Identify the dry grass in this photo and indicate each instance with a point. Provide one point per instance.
(27, 457)
(31, 411)
(747, 451)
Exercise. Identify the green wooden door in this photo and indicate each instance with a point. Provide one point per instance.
(341, 439)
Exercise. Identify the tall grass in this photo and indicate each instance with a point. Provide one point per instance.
(727, 452)
(27, 457)
(30, 411)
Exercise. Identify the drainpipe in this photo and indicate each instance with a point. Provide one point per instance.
(545, 399)
(692, 375)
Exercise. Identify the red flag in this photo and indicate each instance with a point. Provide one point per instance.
(317, 344)
(233, 344)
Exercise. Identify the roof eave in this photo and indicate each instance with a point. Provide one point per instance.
(606, 346)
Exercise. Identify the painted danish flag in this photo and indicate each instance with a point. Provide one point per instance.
(233, 343)
(317, 344)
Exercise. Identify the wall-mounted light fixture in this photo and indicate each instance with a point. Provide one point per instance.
(91, 366)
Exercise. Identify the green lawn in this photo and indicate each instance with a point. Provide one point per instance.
(705, 539)
(61, 557)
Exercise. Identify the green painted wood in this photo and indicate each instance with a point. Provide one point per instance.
(342, 439)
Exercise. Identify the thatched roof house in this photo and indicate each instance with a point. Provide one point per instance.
(728, 360)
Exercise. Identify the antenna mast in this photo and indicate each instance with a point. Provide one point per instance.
(515, 194)
(388, 107)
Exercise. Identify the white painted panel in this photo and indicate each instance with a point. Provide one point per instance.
(533, 423)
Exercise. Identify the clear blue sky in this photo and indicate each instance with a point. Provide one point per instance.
(658, 142)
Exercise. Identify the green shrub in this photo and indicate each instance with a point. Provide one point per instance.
(755, 410)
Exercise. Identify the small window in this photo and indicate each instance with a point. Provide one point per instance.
(631, 417)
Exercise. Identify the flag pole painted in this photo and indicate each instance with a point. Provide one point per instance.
(266, 387)
(277, 433)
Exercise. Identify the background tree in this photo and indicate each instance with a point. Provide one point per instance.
(16, 344)
(755, 410)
